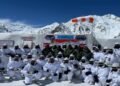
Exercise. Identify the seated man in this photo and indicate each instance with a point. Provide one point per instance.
(2, 70)
(31, 71)
(13, 68)
(50, 69)
(114, 76)
(67, 70)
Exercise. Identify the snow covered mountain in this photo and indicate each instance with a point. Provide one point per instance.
(9, 26)
(107, 27)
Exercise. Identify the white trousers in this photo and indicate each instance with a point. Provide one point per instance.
(67, 76)
(14, 74)
(1, 77)
(30, 77)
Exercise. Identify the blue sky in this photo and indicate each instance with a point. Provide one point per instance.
(43, 12)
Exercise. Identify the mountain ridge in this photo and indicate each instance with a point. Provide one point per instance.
(106, 26)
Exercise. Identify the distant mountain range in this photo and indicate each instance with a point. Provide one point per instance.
(107, 27)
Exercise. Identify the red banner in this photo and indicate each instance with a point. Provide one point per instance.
(64, 40)
(91, 19)
(83, 19)
(74, 20)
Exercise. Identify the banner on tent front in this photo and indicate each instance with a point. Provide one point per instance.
(68, 37)
(7, 42)
(29, 38)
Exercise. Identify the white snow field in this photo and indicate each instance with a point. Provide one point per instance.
(45, 83)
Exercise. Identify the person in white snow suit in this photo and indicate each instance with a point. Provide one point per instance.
(18, 50)
(102, 72)
(36, 51)
(50, 69)
(116, 51)
(32, 72)
(6, 52)
(28, 59)
(67, 70)
(58, 61)
(2, 70)
(13, 69)
(114, 76)
(89, 78)
(75, 65)
(110, 58)
(26, 50)
(98, 55)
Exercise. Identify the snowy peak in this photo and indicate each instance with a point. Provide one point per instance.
(9, 26)
(113, 17)
(106, 26)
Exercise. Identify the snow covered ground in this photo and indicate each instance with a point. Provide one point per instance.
(45, 83)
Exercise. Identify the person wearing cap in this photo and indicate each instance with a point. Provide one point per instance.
(102, 72)
(91, 65)
(67, 70)
(0, 53)
(50, 69)
(72, 59)
(84, 67)
(36, 51)
(6, 52)
(41, 61)
(18, 50)
(59, 57)
(89, 78)
(98, 55)
(26, 49)
(75, 65)
(11, 57)
(20, 62)
(68, 50)
(64, 46)
(31, 71)
(13, 69)
(83, 63)
(116, 51)
(110, 58)
(28, 59)
(114, 76)
(76, 70)
(55, 50)
(58, 61)
(2, 69)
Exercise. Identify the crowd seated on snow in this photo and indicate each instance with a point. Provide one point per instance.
(99, 67)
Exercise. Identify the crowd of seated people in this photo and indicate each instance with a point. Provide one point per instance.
(99, 67)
